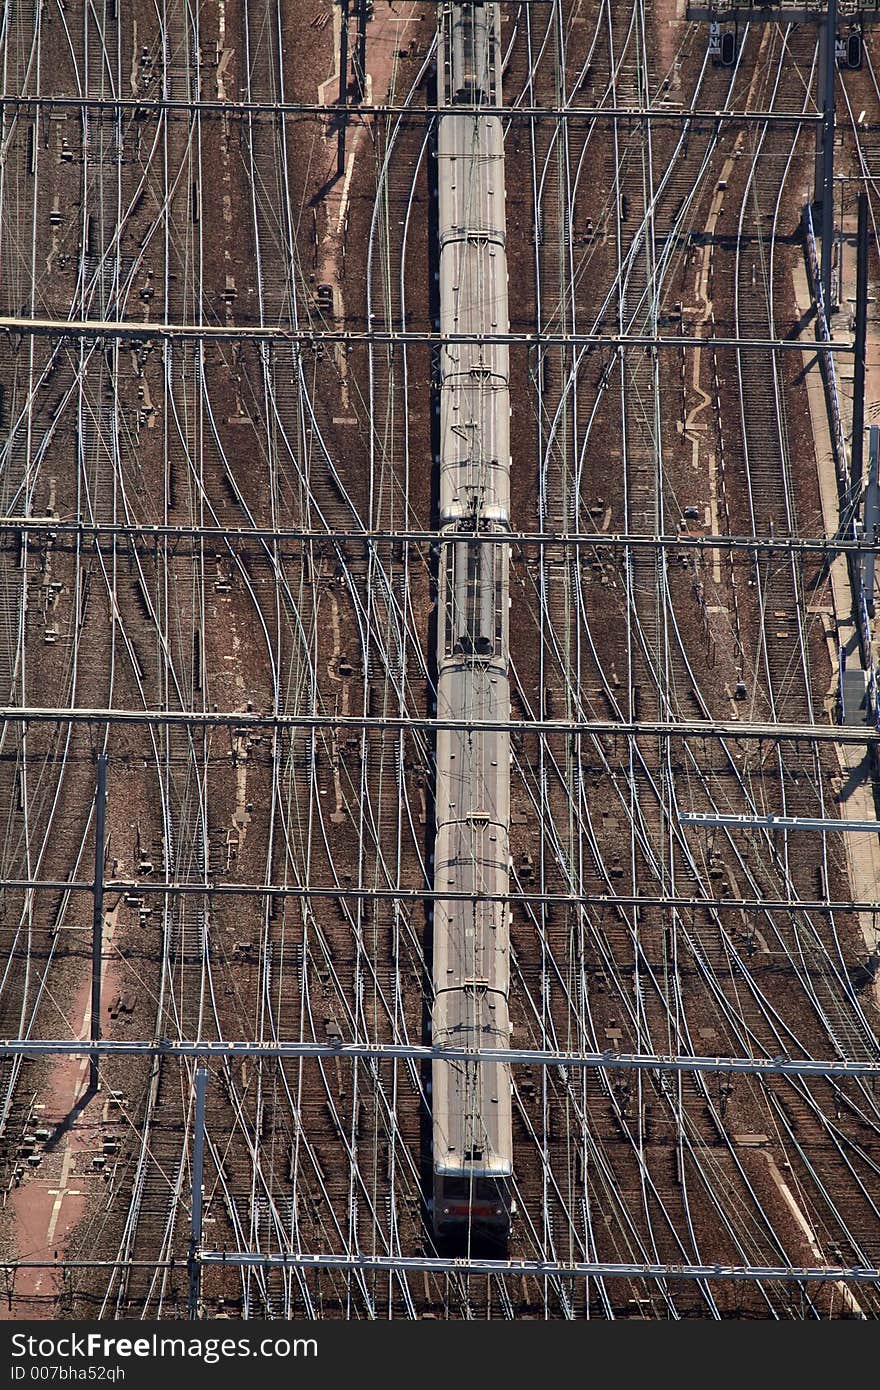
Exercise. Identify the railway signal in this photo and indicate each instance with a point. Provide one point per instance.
(848, 49)
(854, 50)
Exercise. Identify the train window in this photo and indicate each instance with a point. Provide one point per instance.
(476, 1189)
(487, 1190)
(457, 1187)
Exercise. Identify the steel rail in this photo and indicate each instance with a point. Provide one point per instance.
(651, 650)
(266, 333)
(588, 728)
(206, 1048)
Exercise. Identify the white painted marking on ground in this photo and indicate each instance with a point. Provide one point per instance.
(61, 1191)
(345, 187)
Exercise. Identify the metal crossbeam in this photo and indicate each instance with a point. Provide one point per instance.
(145, 330)
(211, 889)
(384, 110)
(13, 1266)
(780, 12)
(713, 818)
(468, 1265)
(415, 1052)
(587, 728)
(542, 1269)
(615, 540)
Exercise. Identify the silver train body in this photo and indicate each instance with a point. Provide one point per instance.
(471, 1102)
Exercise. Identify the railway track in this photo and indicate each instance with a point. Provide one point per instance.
(605, 229)
(651, 624)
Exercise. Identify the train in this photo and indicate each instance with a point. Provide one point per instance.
(471, 1100)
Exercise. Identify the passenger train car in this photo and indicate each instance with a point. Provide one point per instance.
(471, 1101)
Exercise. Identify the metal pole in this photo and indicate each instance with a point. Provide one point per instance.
(830, 31)
(361, 68)
(858, 413)
(98, 917)
(343, 87)
(820, 129)
(870, 516)
(195, 1240)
